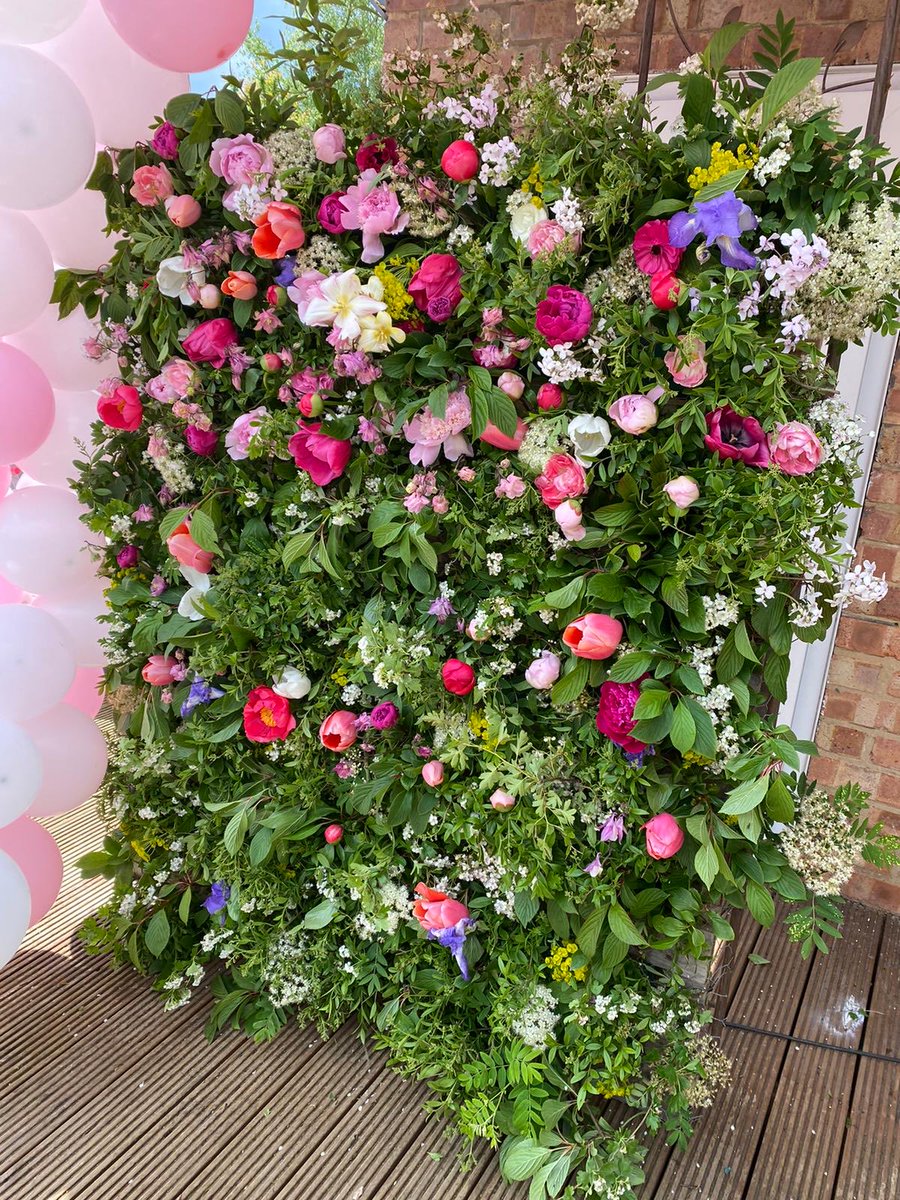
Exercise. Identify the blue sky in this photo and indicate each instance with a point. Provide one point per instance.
(263, 12)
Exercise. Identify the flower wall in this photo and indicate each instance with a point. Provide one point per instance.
(468, 463)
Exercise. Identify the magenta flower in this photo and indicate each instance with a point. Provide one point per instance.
(384, 715)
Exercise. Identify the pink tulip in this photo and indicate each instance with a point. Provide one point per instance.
(512, 384)
(183, 211)
(157, 671)
(593, 636)
(435, 910)
(333, 834)
(338, 730)
(682, 491)
(183, 548)
(568, 518)
(433, 773)
(496, 437)
(664, 836)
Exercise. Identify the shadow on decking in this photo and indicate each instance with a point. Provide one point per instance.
(106, 1097)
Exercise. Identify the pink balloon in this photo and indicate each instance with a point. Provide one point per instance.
(123, 91)
(78, 614)
(42, 542)
(26, 404)
(52, 461)
(73, 753)
(34, 850)
(84, 694)
(58, 349)
(5, 480)
(182, 35)
(28, 272)
(9, 593)
(74, 231)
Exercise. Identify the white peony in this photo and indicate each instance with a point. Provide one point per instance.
(525, 218)
(292, 683)
(174, 275)
(590, 435)
(199, 586)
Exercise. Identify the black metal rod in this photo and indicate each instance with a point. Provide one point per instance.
(790, 1037)
(883, 70)
(646, 46)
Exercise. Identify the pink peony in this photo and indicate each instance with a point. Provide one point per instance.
(544, 671)
(460, 161)
(682, 491)
(121, 408)
(664, 836)
(568, 518)
(437, 279)
(210, 341)
(323, 458)
(430, 434)
(338, 730)
(564, 315)
(176, 380)
(151, 184)
(653, 251)
(549, 397)
(240, 160)
(795, 449)
(615, 715)
(331, 213)
(183, 211)
(511, 384)
(594, 636)
(561, 479)
(636, 414)
(165, 141)
(458, 677)
(686, 363)
(733, 436)
(510, 487)
(374, 209)
(376, 152)
(157, 671)
(203, 442)
(546, 236)
(329, 144)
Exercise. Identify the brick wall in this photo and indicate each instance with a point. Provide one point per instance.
(859, 730)
(542, 27)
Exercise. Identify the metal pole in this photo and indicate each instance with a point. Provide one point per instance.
(646, 45)
(883, 70)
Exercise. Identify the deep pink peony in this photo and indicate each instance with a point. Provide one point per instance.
(795, 449)
(734, 436)
(438, 278)
(121, 408)
(331, 213)
(267, 716)
(458, 677)
(209, 342)
(665, 289)
(165, 141)
(561, 479)
(375, 152)
(653, 252)
(564, 315)
(460, 161)
(201, 441)
(323, 458)
(615, 714)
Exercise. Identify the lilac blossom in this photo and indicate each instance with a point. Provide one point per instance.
(594, 868)
(441, 609)
(613, 829)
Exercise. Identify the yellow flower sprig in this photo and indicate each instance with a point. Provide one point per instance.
(721, 162)
(559, 960)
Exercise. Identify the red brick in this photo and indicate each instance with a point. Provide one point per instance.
(881, 523)
(841, 739)
(877, 889)
(886, 752)
(864, 635)
(884, 486)
(841, 706)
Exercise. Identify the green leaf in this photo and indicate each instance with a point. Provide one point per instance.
(683, 728)
(742, 643)
(297, 547)
(184, 906)
(520, 1158)
(674, 594)
(235, 832)
(229, 112)
(623, 927)
(745, 796)
(613, 515)
(570, 686)
(699, 96)
(720, 927)
(589, 932)
(779, 801)
(785, 84)
(260, 846)
(181, 109)
(603, 586)
(566, 596)
(760, 903)
(156, 935)
(650, 703)
(631, 667)
(720, 45)
(320, 916)
(203, 531)
(758, 960)
(706, 863)
(705, 743)
(656, 728)
(526, 907)
(730, 660)
(776, 669)
(170, 522)
(729, 182)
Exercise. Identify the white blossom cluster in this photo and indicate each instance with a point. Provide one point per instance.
(861, 583)
(283, 970)
(498, 161)
(567, 213)
(478, 111)
(611, 1006)
(719, 611)
(819, 844)
(537, 1019)
(838, 431)
(321, 253)
(292, 150)
(770, 165)
(460, 236)
(704, 657)
(560, 365)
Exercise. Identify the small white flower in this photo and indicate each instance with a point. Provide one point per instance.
(199, 586)
(590, 435)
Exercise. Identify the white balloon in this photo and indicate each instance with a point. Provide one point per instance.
(29, 21)
(74, 231)
(48, 134)
(58, 349)
(15, 906)
(27, 279)
(43, 542)
(78, 614)
(74, 756)
(21, 772)
(52, 461)
(37, 666)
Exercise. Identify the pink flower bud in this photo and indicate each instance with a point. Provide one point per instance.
(502, 801)
(682, 491)
(593, 636)
(568, 518)
(458, 677)
(544, 671)
(270, 362)
(664, 836)
(333, 834)
(210, 296)
(433, 773)
(550, 396)
(636, 414)
(460, 161)
(183, 211)
(512, 384)
(338, 730)
(310, 404)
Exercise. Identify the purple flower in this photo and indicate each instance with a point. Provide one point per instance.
(143, 512)
(594, 868)
(217, 898)
(441, 608)
(613, 828)
(157, 585)
(722, 221)
(128, 556)
(454, 939)
(165, 141)
(285, 276)
(201, 693)
(384, 716)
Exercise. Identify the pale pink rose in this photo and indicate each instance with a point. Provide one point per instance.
(151, 184)
(240, 160)
(510, 487)
(183, 211)
(242, 432)
(545, 236)
(795, 449)
(686, 363)
(568, 518)
(433, 773)
(512, 384)
(502, 801)
(682, 491)
(329, 144)
(544, 671)
(636, 414)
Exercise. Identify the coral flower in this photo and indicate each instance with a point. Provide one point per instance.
(267, 716)
(435, 910)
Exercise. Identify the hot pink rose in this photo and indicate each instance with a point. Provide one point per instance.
(545, 236)
(561, 479)
(565, 315)
(594, 635)
(795, 449)
(636, 414)
(549, 397)
(460, 161)
(615, 715)
(329, 144)
(165, 141)
(203, 442)
(436, 911)
(240, 160)
(152, 184)
(338, 730)
(331, 213)
(433, 773)
(209, 342)
(183, 548)
(278, 231)
(682, 491)
(544, 671)
(664, 836)
(323, 458)
(686, 363)
(437, 279)
(733, 436)
(157, 671)
(183, 211)
(121, 408)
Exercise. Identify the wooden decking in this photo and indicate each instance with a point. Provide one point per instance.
(103, 1096)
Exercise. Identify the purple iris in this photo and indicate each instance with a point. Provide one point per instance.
(721, 220)
(217, 898)
(201, 693)
(285, 276)
(613, 828)
(637, 760)
(454, 939)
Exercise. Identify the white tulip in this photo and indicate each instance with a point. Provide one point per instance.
(200, 585)
(292, 683)
(591, 436)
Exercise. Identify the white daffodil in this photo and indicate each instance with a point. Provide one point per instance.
(524, 219)
(590, 436)
(378, 332)
(342, 303)
(199, 586)
(292, 683)
(173, 278)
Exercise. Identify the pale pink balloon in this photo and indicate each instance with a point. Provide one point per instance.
(52, 461)
(26, 405)
(73, 753)
(43, 542)
(9, 593)
(74, 231)
(36, 663)
(5, 480)
(84, 694)
(58, 349)
(123, 90)
(15, 905)
(23, 23)
(27, 272)
(182, 35)
(78, 614)
(34, 851)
